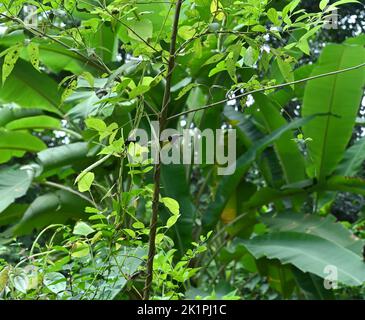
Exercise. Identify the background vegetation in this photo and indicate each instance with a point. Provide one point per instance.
(78, 220)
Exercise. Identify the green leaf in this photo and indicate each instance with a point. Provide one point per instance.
(11, 57)
(58, 58)
(312, 286)
(251, 56)
(96, 124)
(345, 184)
(230, 182)
(80, 250)
(286, 70)
(323, 4)
(214, 59)
(324, 227)
(186, 32)
(290, 158)
(51, 208)
(124, 265)
(33, 52)
(63, 155)
(12, 214)
(82, 229)
(341, 2)
(21, 282)
(36, 122)
(55, 281)
(4, 277)
(340, 96)
(138, 225)
(12, 140)
(141, 29)
(9, 113)
(178, 189)
(272, 14)
(172, 205)
(31, 89)
(85, 182)
(352, 160)
(185, 90)
(14, 183)
(309, 253)
(172, 220)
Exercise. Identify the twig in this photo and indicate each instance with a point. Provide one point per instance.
(278, 86)
(95, 63)
(68, 189)
(157, 172)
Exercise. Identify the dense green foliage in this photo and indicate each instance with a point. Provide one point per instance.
(77, 215)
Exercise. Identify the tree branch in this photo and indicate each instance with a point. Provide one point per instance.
(157, 172)
(97, 64)
(278, 86)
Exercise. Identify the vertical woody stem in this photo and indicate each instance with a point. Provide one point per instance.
(157, 172)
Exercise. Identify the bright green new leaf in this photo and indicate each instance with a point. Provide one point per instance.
(141, 30)
(323, 4)
(11, 57)
(172, 220)
(85, 181)
(80, 250)
(286, 70)
(96, 124)
(33, 52)
(82, 229)
(172, 205)
(272, 14)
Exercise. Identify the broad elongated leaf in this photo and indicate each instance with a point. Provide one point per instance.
(247, 131)
(31, 89)
(311, 286)
(266, 195)
(36, 122)
(8, 114)
(309, 253)
(12, 214)
(324, 227)
(339, 95)
(345, 184)
(22, 141)
(58, 58)
(291, 160)
(353, 159)
(63, 155)
(14, 183)
(230, 182)
(57, 207)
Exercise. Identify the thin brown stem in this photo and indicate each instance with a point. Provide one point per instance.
(157, 172)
